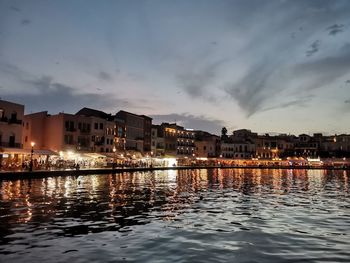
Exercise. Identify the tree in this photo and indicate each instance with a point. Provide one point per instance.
(223, 132)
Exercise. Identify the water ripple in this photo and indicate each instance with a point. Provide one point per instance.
(178, 216)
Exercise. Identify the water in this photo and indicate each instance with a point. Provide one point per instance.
(178, 216)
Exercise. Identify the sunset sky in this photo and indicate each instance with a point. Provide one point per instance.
(269, 66)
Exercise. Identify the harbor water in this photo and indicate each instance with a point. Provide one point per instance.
(206, 215)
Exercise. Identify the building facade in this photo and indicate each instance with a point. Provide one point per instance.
(68, 132)
(138, 131)
(11, 124)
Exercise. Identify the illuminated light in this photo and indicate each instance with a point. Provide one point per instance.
(61, 154)
(70, 153)
(32, 144)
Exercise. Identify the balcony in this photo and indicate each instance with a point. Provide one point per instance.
(14, 121)
(3, 119)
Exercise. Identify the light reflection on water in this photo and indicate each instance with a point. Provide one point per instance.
(192, 215)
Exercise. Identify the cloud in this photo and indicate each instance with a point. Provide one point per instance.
(314, 47)
(347, 81)
(104, 76)
(323, 71)
(57, 97)
(25, 22)
(347, 101)
(335, 29)
(253, 89)
(195, 81)
(263, 82)
(15, 9)
(300, 102)
(191, 121)
(44, 93)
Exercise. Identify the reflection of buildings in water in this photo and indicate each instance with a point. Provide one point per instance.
(315, 179)
(346, 181)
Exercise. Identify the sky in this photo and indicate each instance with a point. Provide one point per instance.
(269, 66)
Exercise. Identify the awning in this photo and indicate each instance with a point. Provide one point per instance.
(94, 155)
(26, 151)
(14, 151)
(45, 152)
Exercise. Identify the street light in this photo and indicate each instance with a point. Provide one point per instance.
(31, 157)
(151, 160)
(114, 152)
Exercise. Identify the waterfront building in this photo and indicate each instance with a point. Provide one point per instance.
(138, 131)
(11, 126)
(335, 146)
(115, 132)
(272, 147)
(237, 148)
(65, 132)
(157, 142)
(306, 146)
(178, 141)
(207, 145)
(185, 142)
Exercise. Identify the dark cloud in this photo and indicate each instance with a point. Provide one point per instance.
(335, 29)
(260, 85)
(300, 102)
(347, 81)
(57, 97)
(43, 93)
(194, 81)
(25, 22)
(191, 121)
(104, 76)
(324, 71)
(314, 47)
(15, 9)
(253, 89)
(347, 101)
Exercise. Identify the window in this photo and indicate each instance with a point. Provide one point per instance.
(27, 125)
(14, 116)
(2, 113)
(107, 142)
(26, 139)
(12, 140)
(96, 125)
(93, 138)
(79, 125)
(101, 126)
(68, 139)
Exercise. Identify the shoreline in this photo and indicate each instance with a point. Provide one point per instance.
(15, 175)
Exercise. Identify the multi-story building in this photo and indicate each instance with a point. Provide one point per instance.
(269, 147)
(237, 148)
(306, 146)
(207, 145)
(138, 131)
(157, 142)
(336, 146)
(68, 132)
(185, 142)
(11, 116)
(147, 127)
(178, 141)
